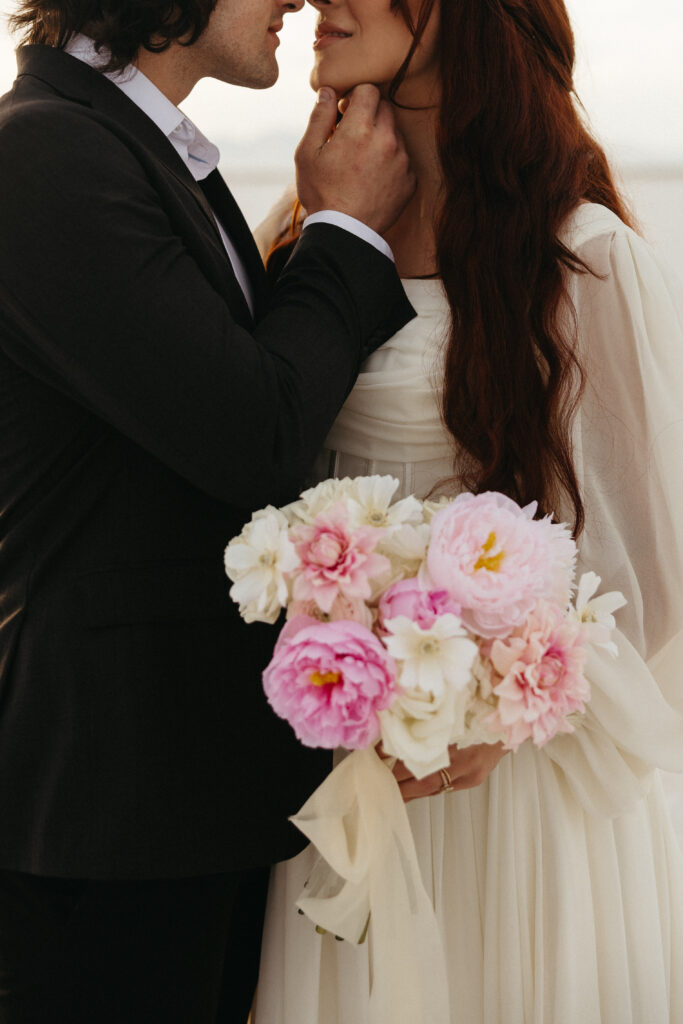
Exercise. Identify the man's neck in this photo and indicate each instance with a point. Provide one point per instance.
(172, 73)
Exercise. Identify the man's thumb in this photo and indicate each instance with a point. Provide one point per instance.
(322, 120)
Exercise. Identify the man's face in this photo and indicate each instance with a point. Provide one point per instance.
(239, 43)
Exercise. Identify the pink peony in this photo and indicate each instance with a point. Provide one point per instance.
(408, 599)
(541, 680)
(336, 559)
(497, 561)
(329, 680)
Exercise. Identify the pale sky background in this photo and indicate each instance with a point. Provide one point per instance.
(630, 78)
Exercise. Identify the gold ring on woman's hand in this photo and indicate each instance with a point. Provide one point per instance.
(447, 781)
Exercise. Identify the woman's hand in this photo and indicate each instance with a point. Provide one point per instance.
(468, 768)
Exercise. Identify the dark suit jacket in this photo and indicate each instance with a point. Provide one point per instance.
(142, 417)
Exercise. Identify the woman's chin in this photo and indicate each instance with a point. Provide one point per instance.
(341, 85)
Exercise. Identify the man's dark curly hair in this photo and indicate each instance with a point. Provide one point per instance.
(121, 27)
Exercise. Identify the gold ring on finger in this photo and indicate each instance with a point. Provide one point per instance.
(447, 781)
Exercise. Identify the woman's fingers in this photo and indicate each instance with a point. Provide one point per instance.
(467, 768)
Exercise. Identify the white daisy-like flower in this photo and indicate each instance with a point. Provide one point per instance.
(431, 659)
(257, 562)
(319, 499)
(596, 613)
(370, 504)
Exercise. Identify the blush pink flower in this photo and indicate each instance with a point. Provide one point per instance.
(541, 680)
(336, 559)
(411, 601)
(353, 609)
(329, 680)
(497, 561)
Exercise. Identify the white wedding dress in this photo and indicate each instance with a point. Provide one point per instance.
(558, 882)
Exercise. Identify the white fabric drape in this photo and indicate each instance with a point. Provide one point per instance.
(557, 883)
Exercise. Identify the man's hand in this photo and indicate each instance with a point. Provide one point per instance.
(468, 768)
(361, 168)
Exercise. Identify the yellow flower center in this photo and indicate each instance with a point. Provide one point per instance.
(486, 561)
(377, 518)
(268, 558)
(428, 647)
(325, 678)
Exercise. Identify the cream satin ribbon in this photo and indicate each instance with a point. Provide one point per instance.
(357, 821)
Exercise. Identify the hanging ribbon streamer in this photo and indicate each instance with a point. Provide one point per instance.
(368, 870)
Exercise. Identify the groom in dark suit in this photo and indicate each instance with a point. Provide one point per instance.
(153, 391)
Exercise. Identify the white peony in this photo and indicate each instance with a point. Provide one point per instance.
(257, 561)
(431, 659)
(370, 504)
(419, 727)
(596, 613)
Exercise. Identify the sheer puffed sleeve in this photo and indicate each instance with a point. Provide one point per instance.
(628, 448)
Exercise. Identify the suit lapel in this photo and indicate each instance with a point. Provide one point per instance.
(232, 219)
(75, 80)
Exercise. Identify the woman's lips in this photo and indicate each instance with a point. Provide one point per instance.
(327, 35)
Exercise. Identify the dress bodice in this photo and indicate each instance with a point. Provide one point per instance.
(391, 421)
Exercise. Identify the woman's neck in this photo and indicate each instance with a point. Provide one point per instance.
(412, 237)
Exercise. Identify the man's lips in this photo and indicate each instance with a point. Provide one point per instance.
(327, 34)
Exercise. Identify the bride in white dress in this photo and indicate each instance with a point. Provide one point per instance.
(555, 874)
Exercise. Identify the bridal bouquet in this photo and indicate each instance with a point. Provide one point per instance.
(419, 623)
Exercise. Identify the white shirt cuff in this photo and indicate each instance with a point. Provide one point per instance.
(355, 227)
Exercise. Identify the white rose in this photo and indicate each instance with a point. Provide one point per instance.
(419, 726)
(474, 730)
(405, 547)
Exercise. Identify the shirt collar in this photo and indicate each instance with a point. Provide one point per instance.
(200, 156)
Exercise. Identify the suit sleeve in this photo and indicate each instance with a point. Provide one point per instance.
(102, 300)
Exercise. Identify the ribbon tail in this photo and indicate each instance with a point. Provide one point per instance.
(357, 821)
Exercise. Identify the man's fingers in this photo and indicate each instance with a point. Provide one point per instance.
(321, 122)
(362, 107)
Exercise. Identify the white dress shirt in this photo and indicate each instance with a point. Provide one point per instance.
(199, 155)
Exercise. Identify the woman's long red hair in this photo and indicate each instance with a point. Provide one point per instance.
(516, 160)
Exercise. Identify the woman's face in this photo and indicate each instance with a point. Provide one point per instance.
(365, 41)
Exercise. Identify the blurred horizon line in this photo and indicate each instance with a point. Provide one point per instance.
(270, 172)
